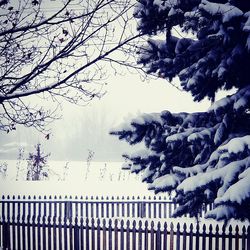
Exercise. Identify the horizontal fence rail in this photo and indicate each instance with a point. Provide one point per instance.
(88, 207)
(106, 234)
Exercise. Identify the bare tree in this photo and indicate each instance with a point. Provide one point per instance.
(58, 51)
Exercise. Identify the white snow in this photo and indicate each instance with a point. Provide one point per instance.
(146, 173)
(246, 27)
(236, 145)
(100, 178)
(225, 175)
(227, 11)
(239, 191)
(164, 181)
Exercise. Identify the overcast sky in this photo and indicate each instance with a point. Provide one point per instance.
(86, 128)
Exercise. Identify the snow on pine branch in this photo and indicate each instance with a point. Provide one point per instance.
(189, 152)
(227, 11)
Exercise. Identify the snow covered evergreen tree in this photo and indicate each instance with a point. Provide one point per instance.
(203, 157)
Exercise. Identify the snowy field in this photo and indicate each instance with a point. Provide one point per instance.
(86, 179)
(74, 178)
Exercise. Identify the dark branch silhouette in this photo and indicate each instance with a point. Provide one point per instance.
(58, 54)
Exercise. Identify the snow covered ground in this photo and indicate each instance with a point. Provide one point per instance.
(80, 178)
(74, 178)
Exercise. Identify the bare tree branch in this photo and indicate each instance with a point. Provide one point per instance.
(60, 55)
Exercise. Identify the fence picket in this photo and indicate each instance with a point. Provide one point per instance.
(191, 237)
(230, 238)
(60, 230)
(116, 234)
(87, 234)
(243, 238)
(65, 233)
(128, 236)
(104, 241)
(140, 236)
(217, 237)
(98, 235)
(158, 236)
(223, 237)
(81, 234)
(14, 226)
(237, 237)
(44, 234)
(23, 221)
(197, 237)
(76, 235)
(146, 236)
(134, 235)
(110, 234)
(165, 236)
(122, 235)
(171, 236)
(49, 226)
(210, 238)
(39, 232)
(178, 236)
(204, 237)
(184, 237)
(152, 243)
(92, 233)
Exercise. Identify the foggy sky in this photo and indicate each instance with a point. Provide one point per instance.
(87, 128)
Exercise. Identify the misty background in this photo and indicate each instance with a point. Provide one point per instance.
(86, 128)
